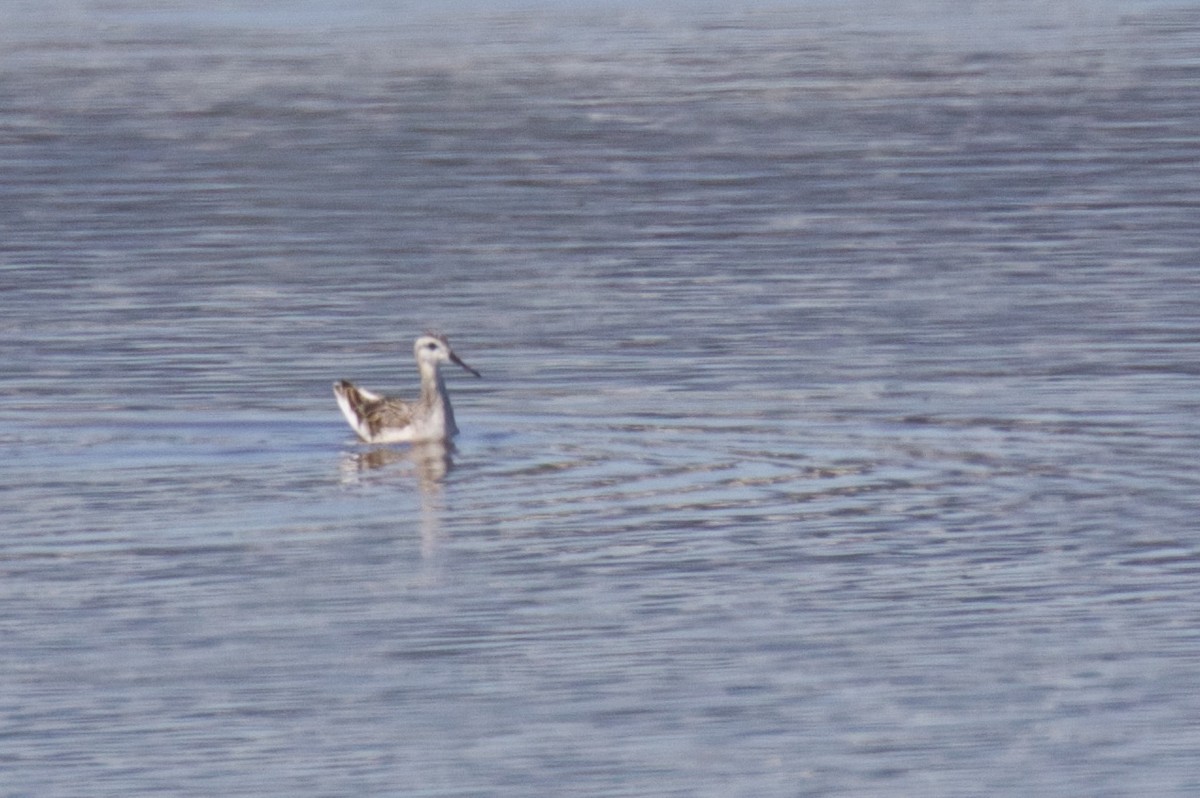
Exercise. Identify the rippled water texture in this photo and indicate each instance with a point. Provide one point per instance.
(837, 433)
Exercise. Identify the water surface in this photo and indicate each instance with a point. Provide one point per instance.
(836, 437)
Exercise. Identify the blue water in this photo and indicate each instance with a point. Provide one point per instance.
(837, 434)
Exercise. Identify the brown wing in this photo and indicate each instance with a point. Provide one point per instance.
(373, 411)
(387, 413)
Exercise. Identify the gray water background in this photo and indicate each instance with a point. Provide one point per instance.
(837, 435)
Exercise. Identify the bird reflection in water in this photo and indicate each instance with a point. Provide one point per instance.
(431, 461)
(428, 461)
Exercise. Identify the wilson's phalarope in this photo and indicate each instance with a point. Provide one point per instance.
(378, 419)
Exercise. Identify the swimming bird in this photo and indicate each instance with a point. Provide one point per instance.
(378, 419)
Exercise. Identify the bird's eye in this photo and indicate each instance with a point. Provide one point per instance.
(431, 346)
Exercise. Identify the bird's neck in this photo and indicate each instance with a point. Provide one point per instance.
(433, 390)
(433, 394)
